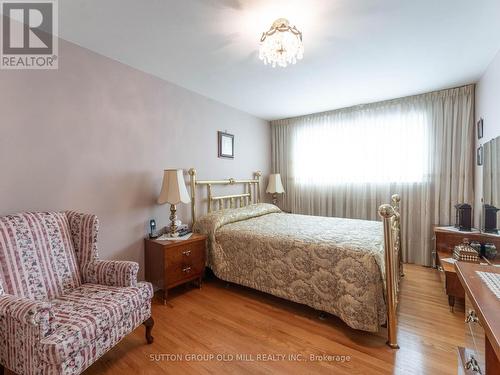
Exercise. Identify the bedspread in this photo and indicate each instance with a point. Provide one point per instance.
(330, 264)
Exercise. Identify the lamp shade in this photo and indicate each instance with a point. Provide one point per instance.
(275, 185)
(173, 189)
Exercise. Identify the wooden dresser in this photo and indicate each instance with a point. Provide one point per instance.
(171, 263)
(481, 354)
(446, 240)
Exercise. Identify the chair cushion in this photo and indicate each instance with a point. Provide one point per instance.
(86, 313)
(37, 258)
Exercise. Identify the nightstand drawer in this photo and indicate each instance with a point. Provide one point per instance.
(179, 272)
(185, 253)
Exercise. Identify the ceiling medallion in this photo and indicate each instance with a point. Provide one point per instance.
(281, 45)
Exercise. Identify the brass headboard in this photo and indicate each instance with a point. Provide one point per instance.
(251, 193)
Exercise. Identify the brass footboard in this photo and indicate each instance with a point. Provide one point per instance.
(393, 267)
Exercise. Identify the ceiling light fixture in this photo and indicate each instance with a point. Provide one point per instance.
(281, 45)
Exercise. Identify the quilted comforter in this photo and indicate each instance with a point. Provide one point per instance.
(330, 264)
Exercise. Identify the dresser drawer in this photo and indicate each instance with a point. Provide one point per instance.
(474, 337)
(442, 277)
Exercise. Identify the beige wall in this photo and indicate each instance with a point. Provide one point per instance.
(487, 107)
(95, 136)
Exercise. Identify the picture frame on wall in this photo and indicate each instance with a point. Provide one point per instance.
(225, 145)
(480, 155)
(480, 129)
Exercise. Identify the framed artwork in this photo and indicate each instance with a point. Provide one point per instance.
(480, 129)
(480, 155)
(225, 145)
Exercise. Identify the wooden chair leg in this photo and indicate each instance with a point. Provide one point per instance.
(149, 323)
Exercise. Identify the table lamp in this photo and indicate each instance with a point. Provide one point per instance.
(173, 191)
(275, 187)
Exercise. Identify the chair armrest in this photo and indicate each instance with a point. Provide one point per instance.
(111, 273)
(27, 315)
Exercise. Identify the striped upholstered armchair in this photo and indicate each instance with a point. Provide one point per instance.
(61, 308)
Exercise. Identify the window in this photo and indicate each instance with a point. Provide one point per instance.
(361, 148)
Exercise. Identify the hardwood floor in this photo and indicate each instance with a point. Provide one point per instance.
(236, 320)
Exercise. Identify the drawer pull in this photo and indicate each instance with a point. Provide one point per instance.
(186, 252)
(186, 269)
(472, 365)
(472, 317)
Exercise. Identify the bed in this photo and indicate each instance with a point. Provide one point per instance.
(349, 268)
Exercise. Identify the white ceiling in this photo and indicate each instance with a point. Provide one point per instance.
(356, 51)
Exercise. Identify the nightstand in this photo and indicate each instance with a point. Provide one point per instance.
(173, 262)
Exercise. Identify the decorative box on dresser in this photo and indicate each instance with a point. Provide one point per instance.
(446, 239)
(170, 263)
(481, 354)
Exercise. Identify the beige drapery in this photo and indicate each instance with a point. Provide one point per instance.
(448, 177)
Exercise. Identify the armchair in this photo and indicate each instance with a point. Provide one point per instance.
(61, 307)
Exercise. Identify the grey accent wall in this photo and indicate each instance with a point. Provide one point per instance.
(95, 136)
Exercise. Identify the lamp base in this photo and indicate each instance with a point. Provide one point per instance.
(173, 217)
(275, 199)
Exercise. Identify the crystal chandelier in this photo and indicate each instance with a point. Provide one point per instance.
(281, 45)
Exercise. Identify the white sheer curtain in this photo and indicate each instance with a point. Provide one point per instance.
(346, 163)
